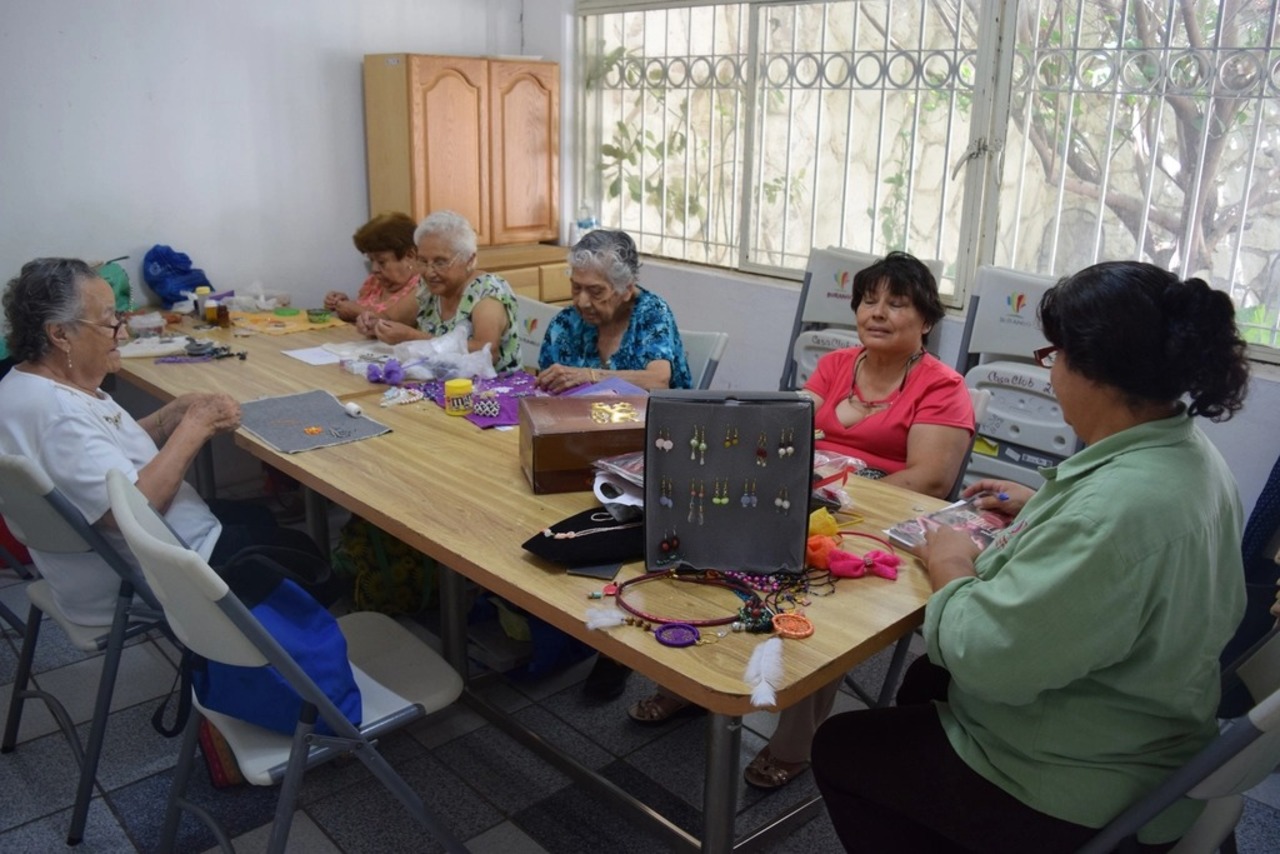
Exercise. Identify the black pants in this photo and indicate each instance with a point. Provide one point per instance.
(245, 525)
(892, 782)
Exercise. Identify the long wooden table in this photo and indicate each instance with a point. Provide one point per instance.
(457, 494)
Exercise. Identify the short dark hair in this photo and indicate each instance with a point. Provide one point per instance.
(1153, 336)
(386, 232)
(904, 275)
(46, 291)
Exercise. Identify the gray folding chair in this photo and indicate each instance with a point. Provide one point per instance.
(401, 679)
(1246, 751)
(703, 350)
(8, 559)
(42, 518)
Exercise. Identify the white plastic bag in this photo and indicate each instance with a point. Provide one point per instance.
(441, 358)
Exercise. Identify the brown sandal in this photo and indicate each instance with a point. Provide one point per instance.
(660, 708)
(765, 772)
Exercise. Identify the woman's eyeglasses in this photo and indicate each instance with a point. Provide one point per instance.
(1045, 356)
(114, 327)
(435, 265)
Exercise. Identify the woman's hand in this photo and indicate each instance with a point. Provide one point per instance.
(948, 553)
(214, 413)
(1004, 496)
(333, 299)
(391, 332)
(558, 378)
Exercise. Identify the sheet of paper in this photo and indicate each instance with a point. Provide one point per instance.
(313, 356)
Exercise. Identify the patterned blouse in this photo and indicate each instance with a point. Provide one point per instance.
(373, 297)
(484, 286)
(651, 335)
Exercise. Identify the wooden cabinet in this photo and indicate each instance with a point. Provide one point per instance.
(468, 134)
(539, 272)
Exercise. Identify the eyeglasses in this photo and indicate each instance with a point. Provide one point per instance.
(1045, 356)
(114, 327)
(435, 265)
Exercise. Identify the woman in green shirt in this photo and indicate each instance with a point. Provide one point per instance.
(1073, 664)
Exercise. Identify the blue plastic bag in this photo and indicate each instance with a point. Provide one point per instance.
(169, 273)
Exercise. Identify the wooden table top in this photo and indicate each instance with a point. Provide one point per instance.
(457, 493)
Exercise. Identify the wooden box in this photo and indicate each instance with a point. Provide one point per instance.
(562, 437)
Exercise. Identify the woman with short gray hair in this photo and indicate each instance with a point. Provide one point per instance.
(452, 291)
(614, 328)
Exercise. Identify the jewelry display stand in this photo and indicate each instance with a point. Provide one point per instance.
(727, 479)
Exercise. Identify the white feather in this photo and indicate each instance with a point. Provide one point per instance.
(604, 618)
(764, 672)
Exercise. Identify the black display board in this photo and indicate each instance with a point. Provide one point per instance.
(727, 480)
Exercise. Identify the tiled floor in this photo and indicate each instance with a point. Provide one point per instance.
(493, 793)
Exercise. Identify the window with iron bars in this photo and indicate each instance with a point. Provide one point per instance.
(1042, 136)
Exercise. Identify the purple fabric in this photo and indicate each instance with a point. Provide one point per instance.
(508, 388)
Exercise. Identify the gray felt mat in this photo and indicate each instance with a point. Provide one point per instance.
(302, 422)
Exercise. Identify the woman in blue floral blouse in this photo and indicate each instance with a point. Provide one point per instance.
(451, 291)
(615, 328)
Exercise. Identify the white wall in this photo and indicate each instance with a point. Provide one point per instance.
(233, 131)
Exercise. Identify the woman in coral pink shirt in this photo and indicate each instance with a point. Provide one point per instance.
(387, 241)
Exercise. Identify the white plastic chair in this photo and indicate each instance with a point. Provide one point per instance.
(1246, 751)
(532, 320)
(703, 351)
(401, 679)
(42, 518)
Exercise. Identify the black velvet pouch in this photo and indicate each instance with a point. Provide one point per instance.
(590, 538)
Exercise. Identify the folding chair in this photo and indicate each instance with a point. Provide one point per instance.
(1246, 751)
(703, 351)
(1024, 429)
(43, 519)
(531, 328)
(8, 559)
(401, 679)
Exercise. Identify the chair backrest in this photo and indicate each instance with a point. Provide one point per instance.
(188, 590)
(1023, 428)
(531, 327)
(703, 350)
(1241, 757)
(980, 398)
(42, 518)
(824, 308)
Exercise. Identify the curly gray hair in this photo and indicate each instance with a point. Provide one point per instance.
(46, 291)
(612, 254)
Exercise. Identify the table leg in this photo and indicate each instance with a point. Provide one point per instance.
(720, 797)
(453, 618)
(205, 483)
(316, 507)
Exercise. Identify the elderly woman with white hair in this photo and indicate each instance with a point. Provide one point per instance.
(451, 290)
(615, 328)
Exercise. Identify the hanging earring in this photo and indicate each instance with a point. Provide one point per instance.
(702, 446)
(693, 445)
(746, 493)
(665, 498)
(788, 444)
(69, 365)
(762, 450)
(693, 497)
(782, 502)
(754, 501)
(702, 495)
(722, 493)
(663, 442)
(730, 436)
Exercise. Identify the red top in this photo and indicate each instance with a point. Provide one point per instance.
(933, 394)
